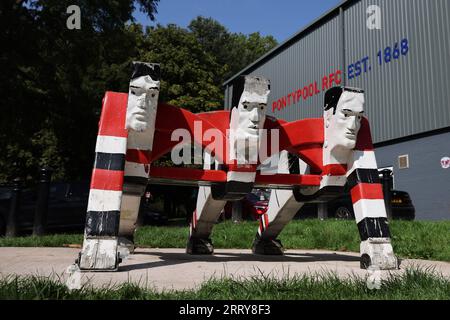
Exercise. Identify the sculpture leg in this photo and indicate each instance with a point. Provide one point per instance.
(99, 250)
(203, 219)
(135, 183)
(282, 209)
(129, 211)
(370, 214)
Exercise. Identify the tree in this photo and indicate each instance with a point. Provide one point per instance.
(233, 51)
(187, 70)
(195, 61)
(215, 39)
(54, 79)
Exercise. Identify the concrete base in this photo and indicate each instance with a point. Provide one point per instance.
(99, 255)
(378, 253)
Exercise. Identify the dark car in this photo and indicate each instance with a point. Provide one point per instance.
(253, 205)
(342, 207)
(67, 206)
(256, 203)
(401, 206)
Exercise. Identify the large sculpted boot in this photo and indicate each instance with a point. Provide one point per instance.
(198, 246)
(270, 247)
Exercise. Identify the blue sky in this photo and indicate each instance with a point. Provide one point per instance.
(281, 18)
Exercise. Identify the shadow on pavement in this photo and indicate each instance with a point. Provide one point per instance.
(178, 258)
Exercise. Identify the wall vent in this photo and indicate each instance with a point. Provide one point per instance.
(403, 162)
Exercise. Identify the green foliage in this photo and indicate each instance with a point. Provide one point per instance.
(196, 61)
(233, 51)
(187, 71)
(53, 79)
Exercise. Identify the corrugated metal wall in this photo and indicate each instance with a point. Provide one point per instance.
(301, 64)
(408, 95)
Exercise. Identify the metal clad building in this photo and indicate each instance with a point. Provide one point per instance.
(409, 95)
(404, 69)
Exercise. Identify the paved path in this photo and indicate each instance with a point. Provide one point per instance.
(166, 269)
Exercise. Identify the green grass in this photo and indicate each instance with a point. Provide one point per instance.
(55, 240)
(414, 284)
(420, 240)
(417, 239)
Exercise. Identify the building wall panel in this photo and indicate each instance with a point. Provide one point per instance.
(408, 95)
(302, 64)
(426, 181)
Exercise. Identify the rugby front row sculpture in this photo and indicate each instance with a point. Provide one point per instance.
(135, 130)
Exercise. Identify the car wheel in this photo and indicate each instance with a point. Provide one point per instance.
(343, 213)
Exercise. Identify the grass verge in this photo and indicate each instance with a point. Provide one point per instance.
(414, 284)
(417, 239)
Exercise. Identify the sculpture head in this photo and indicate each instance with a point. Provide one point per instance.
(143, 96)
(249, 114)
(250, 95)
(344, 108)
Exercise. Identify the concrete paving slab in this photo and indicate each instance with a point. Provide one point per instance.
(165, 269)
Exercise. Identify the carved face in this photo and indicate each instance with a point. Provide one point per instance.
(344, 125)
(142, 103)
(252, 114)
